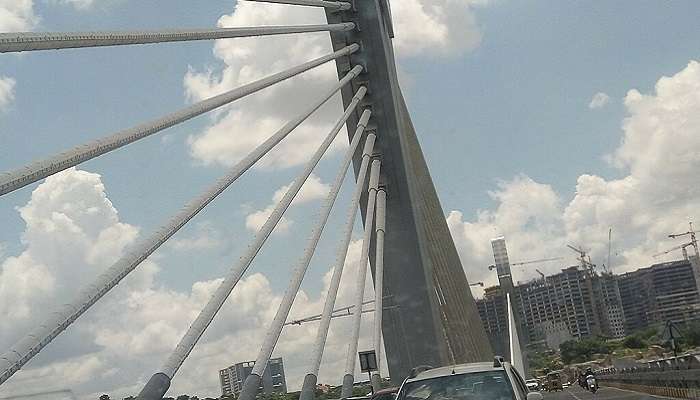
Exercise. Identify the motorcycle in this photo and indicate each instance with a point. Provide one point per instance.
(591, 384)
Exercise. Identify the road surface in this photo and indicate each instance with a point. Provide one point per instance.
(604, 393)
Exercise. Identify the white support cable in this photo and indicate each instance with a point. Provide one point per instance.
(332, 5)
(322, 333)
(285, 306)
(200, 324)
(361, 276)
(380, 222)
(28, 347)
(33, 41)
(13, 180)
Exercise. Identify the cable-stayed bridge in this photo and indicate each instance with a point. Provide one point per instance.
(429, 316)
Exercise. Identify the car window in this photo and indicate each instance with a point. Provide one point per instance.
(519, 383)
(489, 385)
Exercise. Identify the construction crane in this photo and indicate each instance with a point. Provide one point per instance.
(681, 247)
(693, 241)
(585, 264)
(529, 262)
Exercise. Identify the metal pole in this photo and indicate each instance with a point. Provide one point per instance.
(30, 345)
(307, 390)
(376, 378)
(32, 41)
(331, 5)
(156, 386)
(13, 180)
(349, 378)
(252, 382)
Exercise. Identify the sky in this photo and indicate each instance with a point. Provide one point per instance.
(549, 122)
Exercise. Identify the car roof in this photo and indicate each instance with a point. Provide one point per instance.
(455, 370)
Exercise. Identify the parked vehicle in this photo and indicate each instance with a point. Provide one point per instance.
(553, 382)
(492, 381)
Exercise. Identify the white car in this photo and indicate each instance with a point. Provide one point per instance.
(483, 380)
(533, 385)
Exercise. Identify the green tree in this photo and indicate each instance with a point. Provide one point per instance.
(691, 334)
(634, 342)
(573, 351)
(104, 397)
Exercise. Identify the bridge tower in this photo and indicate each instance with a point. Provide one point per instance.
(431, 317)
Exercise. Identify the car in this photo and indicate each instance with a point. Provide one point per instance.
(533, 385)
(481, 380)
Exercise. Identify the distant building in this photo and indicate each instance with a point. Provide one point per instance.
(494, 317)
(500, 255)
(609, 305)
(273, 379)
(571, 304)
(553, 333)
(651, 296)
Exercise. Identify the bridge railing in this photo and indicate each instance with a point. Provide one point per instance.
(677, 377)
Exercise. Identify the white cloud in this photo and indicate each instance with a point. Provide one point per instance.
(237, 129)
(660, 154)
(78, 4)
(7, 92)
(437, 27)
(205, 238)
(17, 15)
(70, 236)
(312, 190)
(599, 100)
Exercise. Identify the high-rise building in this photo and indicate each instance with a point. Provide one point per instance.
(494, 317)
(500, 256)
(571, 304)
(609, 305)
(663, 292)
(273, 379)
(566, 297)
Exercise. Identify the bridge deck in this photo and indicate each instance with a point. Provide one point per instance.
(605, 393)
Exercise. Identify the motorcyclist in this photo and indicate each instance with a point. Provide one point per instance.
(591, 383)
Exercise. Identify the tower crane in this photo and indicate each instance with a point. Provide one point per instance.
(585, 264)
(693, 240)
(681, 247)
(529, 262)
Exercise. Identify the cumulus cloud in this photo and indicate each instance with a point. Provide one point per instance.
(7, 91)
(599, 100)
(78, 4)
(438, 27)
(659, 156)
(312, 190)
(72, 233)
(206, 237)
(17, 15)
(237, 129)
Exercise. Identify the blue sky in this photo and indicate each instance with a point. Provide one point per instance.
(501, 108)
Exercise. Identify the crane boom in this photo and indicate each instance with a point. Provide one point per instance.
(682, 246)
(535, 261)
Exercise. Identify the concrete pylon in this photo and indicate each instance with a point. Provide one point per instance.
(431, 317)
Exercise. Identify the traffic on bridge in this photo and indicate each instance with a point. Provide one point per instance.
(349, 200)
